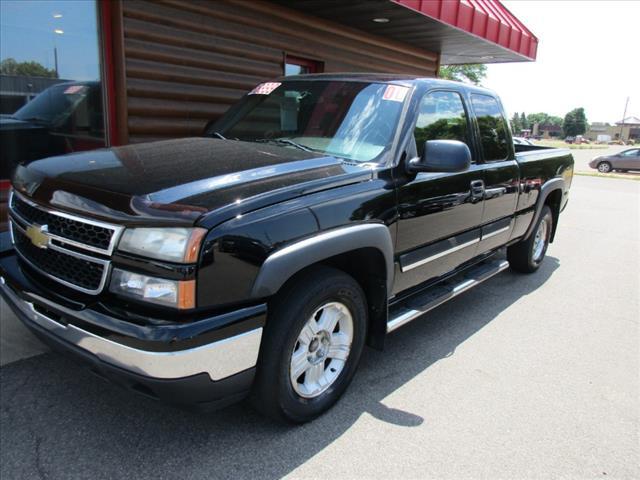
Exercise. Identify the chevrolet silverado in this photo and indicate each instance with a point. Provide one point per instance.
(319, 214)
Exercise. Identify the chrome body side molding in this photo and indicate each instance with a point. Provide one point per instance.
(442, 248)
(440, 255)
(496, 232)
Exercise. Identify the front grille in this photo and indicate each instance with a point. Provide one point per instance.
(71, 269)
(71, 250)
(82, 232)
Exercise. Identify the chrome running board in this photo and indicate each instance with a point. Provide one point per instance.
(440, 293)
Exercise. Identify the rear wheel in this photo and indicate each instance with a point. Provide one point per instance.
(604, 167)
(527, 256)
(312, 344)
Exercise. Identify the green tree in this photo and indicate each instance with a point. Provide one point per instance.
(539, 118)
(443, 129)
(553, 120)
(516, 126)
(524, 122)
(9, 66)
(575, 122)
(473, 73)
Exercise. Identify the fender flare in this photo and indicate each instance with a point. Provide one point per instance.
(546, 189)
(286, 262)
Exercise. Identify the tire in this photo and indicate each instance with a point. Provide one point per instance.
(604, 167)
(306, 304)
(526, 256)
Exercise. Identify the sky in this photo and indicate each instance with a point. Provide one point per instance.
(588, 56)
(27, 34)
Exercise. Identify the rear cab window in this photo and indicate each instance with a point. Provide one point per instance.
(492, 126)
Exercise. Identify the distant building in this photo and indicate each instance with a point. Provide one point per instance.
(625, 130)
(547, 130)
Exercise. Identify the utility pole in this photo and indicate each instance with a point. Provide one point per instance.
(55, 60)
(56, 31)
(624, 115)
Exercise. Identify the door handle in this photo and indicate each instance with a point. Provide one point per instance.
(477, 190)
(494, 192)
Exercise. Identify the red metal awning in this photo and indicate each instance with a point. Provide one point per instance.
(461, 31)
(488, 20)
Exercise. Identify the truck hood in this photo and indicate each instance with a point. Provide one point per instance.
(178, 181)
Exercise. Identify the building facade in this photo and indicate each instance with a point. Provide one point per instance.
(626, 130)
(83, 74)
(168, 67)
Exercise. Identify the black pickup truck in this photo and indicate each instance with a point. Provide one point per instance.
(319, 214)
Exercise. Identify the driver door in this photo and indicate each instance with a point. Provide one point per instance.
(628, 160)
(439, 213)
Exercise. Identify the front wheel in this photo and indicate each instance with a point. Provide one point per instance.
(527, 255)
(604, 167)
(313, 340)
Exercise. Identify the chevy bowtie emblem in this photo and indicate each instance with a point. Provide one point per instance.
(38, 235)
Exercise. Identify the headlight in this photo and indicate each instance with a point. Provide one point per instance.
(179, 245)
(170, 293)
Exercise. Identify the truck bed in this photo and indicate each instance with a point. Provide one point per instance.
(532, 153)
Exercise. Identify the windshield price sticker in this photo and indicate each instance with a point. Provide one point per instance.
(265, 88)
(395, 93)
(74, 89)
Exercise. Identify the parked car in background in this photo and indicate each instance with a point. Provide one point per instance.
(64, 118)
(5, 185)
(621, 161)
(577, 140)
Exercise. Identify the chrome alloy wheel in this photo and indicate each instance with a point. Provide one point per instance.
(322, 350)
(541, 239)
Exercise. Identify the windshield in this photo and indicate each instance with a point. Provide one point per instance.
(53, 105)
(351, 120)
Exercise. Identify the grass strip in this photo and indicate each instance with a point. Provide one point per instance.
(608, 175)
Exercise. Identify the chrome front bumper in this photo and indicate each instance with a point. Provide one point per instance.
(219, 359)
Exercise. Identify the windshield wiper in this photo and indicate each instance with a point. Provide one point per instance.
(219, 135)
(286, 141)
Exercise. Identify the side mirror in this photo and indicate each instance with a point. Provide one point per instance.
(441, 156)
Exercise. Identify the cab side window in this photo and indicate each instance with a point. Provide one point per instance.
(441, 116)
(492, 126)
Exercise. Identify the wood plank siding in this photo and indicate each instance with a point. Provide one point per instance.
(185, 62)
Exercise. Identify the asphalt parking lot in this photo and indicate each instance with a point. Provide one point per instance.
(524, 377)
